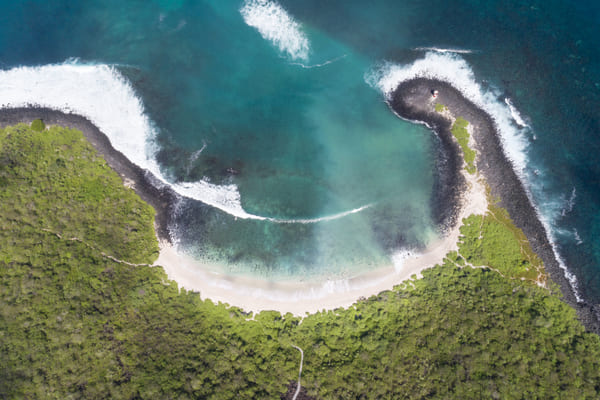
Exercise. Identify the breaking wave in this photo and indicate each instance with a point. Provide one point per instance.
(515, 114)
(444, 50)
(569, 203)
(321, 64)
(451, 68)
(276, 25)
(101, 94)
(320, 219)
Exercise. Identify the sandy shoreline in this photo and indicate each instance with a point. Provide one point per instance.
(464, 194)
(300, 298)
(256, 294)
(458, 194)
(498, 172)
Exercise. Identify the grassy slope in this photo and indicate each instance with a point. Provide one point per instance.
(459, 130)
(492, 240)
(76, 324)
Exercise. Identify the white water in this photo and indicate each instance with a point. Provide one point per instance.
(193, 158)
(515, 113)
(101, 94)
(444, 50)
(451, 68)
(321, 64)
(568, 203)
(399, 257)
(277, 26)
(578, 240)
(320, 219)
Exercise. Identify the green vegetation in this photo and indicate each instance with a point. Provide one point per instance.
(440, 107)
(55, 180)
(77, 324)
(494, 241)
(458, 334)
(38, 125)
(459, 130)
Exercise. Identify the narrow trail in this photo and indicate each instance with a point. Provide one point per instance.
(103, 254)
(539, 281)
(299, 372)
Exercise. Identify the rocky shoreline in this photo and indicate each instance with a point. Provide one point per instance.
(449, 182)
(412, 100)
(160, 197)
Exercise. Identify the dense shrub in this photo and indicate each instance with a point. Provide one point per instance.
(77, 324)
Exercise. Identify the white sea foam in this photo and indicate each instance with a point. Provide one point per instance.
(547, 223)
(320, 219)
(323, 64)
(400, 256)
(515, 113)
(101, 94)
(569, 203)
(97, 92)
(444, 50)
(554, 210)
(578, 239)
(194, 157)
(451, 68)
(276, 25)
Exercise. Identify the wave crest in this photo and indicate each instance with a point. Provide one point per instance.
(323, 64)
(444, 50)
(276, 25)
(450, 67)
(515, 114)
(101, 94)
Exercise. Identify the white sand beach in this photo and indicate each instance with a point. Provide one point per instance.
(300, 298)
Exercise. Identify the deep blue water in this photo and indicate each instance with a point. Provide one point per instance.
(305, 143)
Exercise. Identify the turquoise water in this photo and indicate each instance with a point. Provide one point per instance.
(301, 137)
(282, 110)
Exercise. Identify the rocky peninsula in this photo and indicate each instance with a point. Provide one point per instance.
(414, 100)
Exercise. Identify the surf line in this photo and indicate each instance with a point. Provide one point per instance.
(277, 26)
(515, 114)
(194, 157)
(442, 50)
(307, 220)
(102, 95)
(319, 65)
(320, 219)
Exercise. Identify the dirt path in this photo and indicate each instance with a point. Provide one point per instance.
(299, 372)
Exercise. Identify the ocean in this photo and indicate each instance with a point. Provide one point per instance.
(269, 117)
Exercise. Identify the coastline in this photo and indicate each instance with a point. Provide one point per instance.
(257, 295)
(410, 100)
(162, 199)
(465, 194)
(301, 298)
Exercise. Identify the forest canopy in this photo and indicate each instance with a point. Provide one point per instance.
(83, 314)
